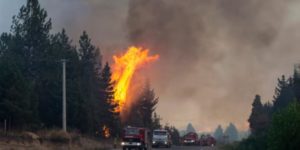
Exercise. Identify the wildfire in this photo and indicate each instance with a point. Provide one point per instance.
(106, 131)
(123, 70)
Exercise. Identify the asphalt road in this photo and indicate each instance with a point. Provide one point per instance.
(186, 148)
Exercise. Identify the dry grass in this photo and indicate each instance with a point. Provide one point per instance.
(51, 140)
(58, 136)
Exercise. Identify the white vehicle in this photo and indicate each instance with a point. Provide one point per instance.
(161, 138)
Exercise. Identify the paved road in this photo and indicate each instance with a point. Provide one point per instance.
(187, 148)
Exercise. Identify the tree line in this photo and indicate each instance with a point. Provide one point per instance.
(31, 77)
(230, 134)
(275, 125)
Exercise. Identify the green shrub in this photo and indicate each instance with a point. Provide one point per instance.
(284, 133)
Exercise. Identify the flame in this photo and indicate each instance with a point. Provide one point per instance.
(106, 131)
(123, 70)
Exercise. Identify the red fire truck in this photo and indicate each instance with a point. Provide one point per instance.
(207, 140)
(190, 138)
(136, 138)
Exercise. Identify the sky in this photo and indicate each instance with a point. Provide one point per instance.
(215, 56)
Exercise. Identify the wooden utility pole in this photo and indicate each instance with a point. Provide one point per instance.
(64, 112)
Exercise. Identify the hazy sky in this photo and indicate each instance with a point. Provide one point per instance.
(215, 55)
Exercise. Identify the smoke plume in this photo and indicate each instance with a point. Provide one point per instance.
(215, 55)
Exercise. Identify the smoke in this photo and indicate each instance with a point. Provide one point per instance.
(104, 21)
(215, 55)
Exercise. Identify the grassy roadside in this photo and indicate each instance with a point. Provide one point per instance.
(51, 140)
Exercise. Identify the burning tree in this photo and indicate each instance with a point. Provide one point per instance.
(135, 106)
(124, 70)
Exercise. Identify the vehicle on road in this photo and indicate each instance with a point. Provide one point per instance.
(136, 138)
(190, 138)
(207, 140)
(161, 138)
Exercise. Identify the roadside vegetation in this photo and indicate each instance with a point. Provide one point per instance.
(51, 139)
(275, 125)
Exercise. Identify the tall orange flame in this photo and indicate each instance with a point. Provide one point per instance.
(124, 69)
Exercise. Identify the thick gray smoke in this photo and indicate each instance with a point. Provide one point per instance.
(104, 21)
(215, 55)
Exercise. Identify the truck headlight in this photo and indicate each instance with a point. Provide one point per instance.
(166, 142)
(138, 144)
(122, 143)
(153, 142)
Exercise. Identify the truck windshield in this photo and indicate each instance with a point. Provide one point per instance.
(160, 133)
(131, 131)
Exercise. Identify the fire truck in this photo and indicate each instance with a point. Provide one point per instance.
(207, 140)
(136, 138)
(190, 138)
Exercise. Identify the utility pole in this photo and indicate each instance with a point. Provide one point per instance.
(64, 112)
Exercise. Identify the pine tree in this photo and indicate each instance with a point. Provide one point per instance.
(107, 88)
(296, 82)
(27, 46)
(89, 57)
(285, 130)
(232, 132)
(134, 117)
(141, 112)
(190, 128)
(61, 48)
(284, 93)
(5, 43)
(32, 28)
(108, 115)
(147, 105)
(156, 121)
(15, 104)
(260, 118)
(175, 136)
(30, 77)
(218, 134)
(257, 109)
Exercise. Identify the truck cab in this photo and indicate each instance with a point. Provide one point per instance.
(160, 138)
(190, 138)
(135, 138)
